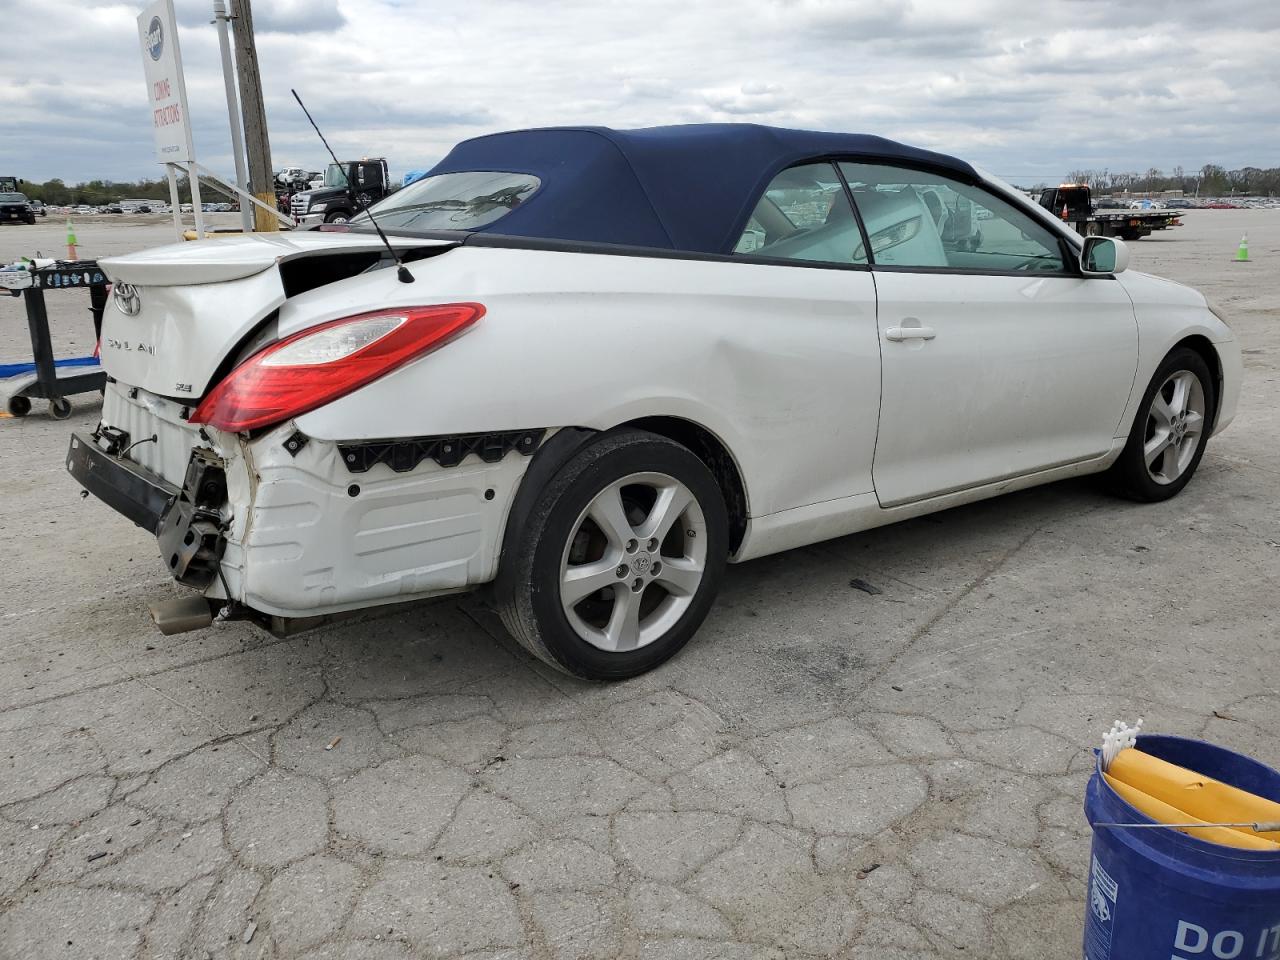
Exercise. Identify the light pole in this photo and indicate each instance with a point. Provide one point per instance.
(220, 18)
(261, 179)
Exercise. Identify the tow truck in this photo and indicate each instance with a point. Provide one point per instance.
(1073, 202)
(344, 183)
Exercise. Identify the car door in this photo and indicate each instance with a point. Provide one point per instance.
(998, 359)
(810, 369)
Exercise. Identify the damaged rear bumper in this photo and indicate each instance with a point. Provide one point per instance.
(296, 527)
(121, 484)
(185, 521)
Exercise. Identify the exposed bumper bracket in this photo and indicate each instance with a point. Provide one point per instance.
(122, 485)
(191, 531)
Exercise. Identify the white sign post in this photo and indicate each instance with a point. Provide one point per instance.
(167, 94)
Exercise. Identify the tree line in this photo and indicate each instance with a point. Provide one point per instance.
(96, 193)
(1210, 180)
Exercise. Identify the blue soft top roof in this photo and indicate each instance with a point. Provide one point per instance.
(686, 188)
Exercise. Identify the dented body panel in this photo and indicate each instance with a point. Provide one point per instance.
(317, 539)
(781, 364)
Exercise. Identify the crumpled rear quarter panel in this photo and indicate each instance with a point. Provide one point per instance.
(307, 546)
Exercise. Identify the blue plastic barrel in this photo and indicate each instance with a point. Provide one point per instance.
(1159, 894)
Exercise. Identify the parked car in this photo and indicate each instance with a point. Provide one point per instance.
(38, 207)
(14, 208)
(629, 358)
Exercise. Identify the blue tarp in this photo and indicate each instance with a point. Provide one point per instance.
(683, 187)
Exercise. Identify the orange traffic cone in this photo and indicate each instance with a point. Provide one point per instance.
(71, 241)
(1064, 211)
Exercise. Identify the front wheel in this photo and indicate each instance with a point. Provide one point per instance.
(337, 216)
(1170, 431)
(620, 559)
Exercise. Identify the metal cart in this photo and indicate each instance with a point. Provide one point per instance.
(47, 381)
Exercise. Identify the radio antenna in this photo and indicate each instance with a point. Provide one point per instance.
(401, 270)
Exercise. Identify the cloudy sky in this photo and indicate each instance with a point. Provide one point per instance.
(1029, 90)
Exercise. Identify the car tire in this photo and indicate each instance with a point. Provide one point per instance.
(652, 596)
(1170, 430)
(337, 216)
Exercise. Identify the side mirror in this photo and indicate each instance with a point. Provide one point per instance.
(1103, 256)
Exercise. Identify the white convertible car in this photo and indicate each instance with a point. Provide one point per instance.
(587, 367)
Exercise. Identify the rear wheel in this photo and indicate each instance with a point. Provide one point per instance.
(19, 406)
(1170, 431)
(620, 559)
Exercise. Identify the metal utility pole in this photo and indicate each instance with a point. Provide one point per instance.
(233, 109)
(261, 178)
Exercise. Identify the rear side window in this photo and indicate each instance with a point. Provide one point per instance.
(804, 215)
(453, 201)
(921, 219)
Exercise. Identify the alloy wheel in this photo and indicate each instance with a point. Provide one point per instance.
(1175, 422)
(633, 562)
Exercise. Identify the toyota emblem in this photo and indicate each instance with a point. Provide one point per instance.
(127, 300)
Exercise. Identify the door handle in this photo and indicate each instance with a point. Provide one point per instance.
(898, 334)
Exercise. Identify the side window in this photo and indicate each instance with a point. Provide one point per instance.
(804, 215)
(918, 219)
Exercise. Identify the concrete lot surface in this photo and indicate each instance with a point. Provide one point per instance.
(824, 772)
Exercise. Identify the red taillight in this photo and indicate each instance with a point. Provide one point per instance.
(311, 368)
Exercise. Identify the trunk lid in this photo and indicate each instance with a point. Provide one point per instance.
(178, 310)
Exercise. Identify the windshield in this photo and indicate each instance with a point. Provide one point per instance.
(12, 198)
(335, 176)
(453, 201)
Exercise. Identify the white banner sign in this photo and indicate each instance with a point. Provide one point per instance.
(166, 90)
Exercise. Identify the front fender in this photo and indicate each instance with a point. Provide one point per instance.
(1169, 313)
